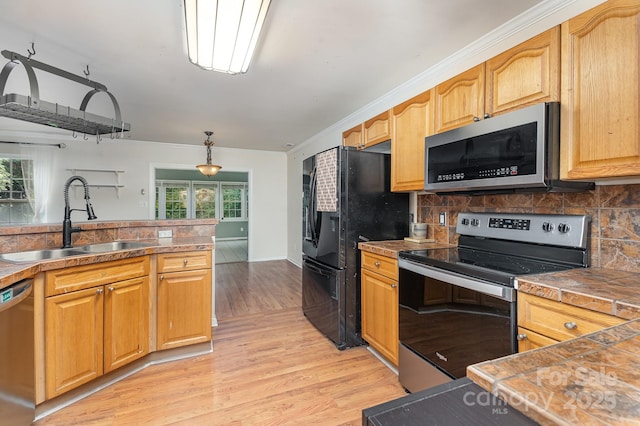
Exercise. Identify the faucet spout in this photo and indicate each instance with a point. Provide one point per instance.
(67, 228)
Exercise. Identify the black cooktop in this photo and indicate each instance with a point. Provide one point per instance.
(491, 266)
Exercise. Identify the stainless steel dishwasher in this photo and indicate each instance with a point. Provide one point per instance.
(17, 399)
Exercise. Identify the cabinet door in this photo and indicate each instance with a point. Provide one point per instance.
(73, 345)
(377, 129)
(600, 86)
(459, 100)
(411, 123)
(184, 308)
(528, 340)
(126, 322)
(353, 136)
(524, 75)
(380, 314)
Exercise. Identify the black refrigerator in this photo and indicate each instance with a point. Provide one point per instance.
(346, 200)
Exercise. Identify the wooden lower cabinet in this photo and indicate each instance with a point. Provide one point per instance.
(528, 340)
(94, 331)
(74, 340)
(542, 322)
(184, 300)
(379, 295)
(126, 322)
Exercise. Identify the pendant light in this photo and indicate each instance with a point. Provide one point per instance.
(208, 169)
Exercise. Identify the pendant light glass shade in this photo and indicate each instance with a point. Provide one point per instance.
(222, 34)
(208, 169)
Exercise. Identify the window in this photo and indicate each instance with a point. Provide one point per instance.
(234, 201)
(201, 200)
(205, 200)
(14, 200)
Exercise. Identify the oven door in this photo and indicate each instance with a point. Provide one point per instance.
(453, 321)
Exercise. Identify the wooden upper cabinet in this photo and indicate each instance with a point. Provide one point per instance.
(600, 129)
(526, 74)
(353, 136)
(412, 121)
(459, 100)
(376, 129)
(523, 75)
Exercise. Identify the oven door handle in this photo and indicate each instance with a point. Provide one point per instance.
(496, 290)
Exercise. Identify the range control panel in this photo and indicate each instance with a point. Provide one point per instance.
(561, 230)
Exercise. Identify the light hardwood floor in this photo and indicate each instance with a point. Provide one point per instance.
(269, 366)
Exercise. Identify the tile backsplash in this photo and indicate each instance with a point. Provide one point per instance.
(614, 211)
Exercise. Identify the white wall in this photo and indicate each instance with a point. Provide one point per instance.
(138, 159)
(535, 21)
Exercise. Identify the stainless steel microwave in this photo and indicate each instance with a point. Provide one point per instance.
(515, 152)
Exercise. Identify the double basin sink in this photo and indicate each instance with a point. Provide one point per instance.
(48, 254)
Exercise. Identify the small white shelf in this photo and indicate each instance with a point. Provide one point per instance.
(116, 185)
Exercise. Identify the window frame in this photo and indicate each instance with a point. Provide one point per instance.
(25, 218)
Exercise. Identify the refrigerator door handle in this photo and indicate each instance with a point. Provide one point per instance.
(317, 269)
(312, 209)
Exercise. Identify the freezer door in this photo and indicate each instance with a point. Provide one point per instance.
(321, 299)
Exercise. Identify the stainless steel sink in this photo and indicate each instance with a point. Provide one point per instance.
(112, 246)
(35, 255)
(49, 254)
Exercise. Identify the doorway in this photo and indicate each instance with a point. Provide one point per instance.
(187, 194)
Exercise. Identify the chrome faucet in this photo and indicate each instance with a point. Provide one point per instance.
(67, 229)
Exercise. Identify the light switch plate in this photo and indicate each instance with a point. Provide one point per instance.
(165, 234)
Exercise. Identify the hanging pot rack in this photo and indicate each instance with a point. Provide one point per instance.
(35, 110)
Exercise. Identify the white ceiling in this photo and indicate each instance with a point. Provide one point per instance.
(317, 61)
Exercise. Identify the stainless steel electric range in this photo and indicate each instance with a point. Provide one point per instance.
(458, 305)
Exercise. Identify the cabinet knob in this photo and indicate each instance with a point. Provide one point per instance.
(377, 264)
(570, 325)
(100, 291)
(161, 277)
(521, 336)
(487, 115)
(394, 285)
(111, 288)
(185, 261)
(476, 119)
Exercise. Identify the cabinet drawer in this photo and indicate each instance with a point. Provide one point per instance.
(185, 261)
(381, 264)
(75, 278)
(560, 321)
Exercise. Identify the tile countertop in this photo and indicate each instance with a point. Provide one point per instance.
(13, 272)
(593, 379)
(392, 247)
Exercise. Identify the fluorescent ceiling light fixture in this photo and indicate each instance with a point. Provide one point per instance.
(222, 34)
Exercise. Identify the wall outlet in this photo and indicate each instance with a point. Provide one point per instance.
(442, 218)
(165, 234)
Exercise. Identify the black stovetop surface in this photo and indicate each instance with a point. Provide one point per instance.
(482, 264)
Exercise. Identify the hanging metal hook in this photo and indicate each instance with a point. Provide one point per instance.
(74, 134)
(98, 138)
(86, 138)
(31, 51)
(86, 72)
